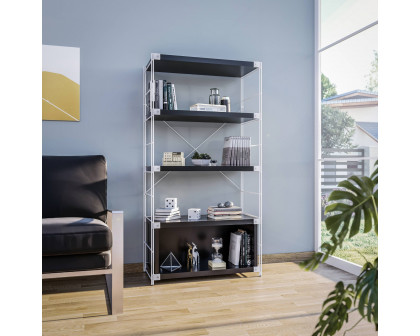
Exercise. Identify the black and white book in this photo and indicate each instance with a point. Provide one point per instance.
(165, 95)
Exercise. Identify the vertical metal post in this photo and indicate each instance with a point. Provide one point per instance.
(260, 166)
(317, 132)
(144, 168)
(152, 175)
(242, 132)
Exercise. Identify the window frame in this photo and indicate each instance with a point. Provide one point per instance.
(332, 260)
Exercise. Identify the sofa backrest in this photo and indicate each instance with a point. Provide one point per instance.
(74, 186)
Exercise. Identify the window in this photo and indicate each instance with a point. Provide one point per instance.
(347, 113)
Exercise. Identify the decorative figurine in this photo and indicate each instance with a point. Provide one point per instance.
(194, 213)
(171, 203)
(193, 258)
(217, 262)
(171, 263)
(228, 204)
(220, 205)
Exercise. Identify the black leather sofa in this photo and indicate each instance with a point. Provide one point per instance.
(80, 236)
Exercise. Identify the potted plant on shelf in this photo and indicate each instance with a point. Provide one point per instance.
(201, 159)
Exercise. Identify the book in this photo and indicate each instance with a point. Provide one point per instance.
(216, 209)
(234, 248)
(216, 265)
(169, 93)
(237, 151)
(166, 219)
(175, 105)
(225, 217)
(208, 107)
(165, 95)
(224, 213)
(160, 94)
(167, 210)
(165, 214)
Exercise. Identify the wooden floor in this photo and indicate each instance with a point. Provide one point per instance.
(284, 301)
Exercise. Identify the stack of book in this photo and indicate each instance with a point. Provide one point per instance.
(240, 248)
(237, 151)
(165, 95)
(173, 159)
(234, 212)
(167, 214)
(208, 107)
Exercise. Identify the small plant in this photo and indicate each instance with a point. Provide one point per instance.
(202, 156)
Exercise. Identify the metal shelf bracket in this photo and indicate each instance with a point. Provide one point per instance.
(156, 225)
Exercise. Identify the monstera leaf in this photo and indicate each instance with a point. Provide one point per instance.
(335, 310)
(367, 292)
(356, 201)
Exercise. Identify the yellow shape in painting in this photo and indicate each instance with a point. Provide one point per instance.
(60, 97)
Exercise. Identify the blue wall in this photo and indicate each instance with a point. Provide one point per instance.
(115, 40)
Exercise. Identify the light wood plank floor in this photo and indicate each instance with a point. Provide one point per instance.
(285, 301)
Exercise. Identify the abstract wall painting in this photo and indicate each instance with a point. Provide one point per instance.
(60, 83)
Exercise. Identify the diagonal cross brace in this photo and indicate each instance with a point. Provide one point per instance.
(192, 146)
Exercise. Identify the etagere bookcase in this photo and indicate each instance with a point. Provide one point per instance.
(159, 238)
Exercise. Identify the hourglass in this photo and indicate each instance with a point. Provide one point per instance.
(217, 258)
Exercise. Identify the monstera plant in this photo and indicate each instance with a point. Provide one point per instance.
(355, 202)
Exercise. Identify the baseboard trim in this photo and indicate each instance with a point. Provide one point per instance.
(266, 258)
(286, 257)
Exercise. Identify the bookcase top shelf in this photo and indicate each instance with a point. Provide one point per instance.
(200, 116)
(201, 66)
(204, 168)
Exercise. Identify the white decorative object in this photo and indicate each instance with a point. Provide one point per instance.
(194, 213)
(171, 203)
(200, 162)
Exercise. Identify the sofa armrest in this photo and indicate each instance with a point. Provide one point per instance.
(115, 221)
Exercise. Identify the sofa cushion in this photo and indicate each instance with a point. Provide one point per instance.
(74, 186)
(76, 262)
(74, 235)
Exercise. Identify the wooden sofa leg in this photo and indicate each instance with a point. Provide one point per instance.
(115, 281)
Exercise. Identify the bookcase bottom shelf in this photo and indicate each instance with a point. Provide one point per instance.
(204, 271)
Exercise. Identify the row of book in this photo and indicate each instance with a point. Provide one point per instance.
(217, 213)
(240, 248)
(237, 151)
(167, 214)
(165, 95)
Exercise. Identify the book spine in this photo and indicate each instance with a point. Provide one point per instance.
(156, 105)
(170, 101)
(174, 97)
(160, 94)
(248, 251)
(165, 96)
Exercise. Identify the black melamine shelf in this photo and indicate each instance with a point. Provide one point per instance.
(204, 271)
(205, 168)
(184, 222)
(202, 66)
(200, 116)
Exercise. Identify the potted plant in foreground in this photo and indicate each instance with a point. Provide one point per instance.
(345, 211)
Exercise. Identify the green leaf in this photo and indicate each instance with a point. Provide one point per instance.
(366, 289)
(335, 310)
